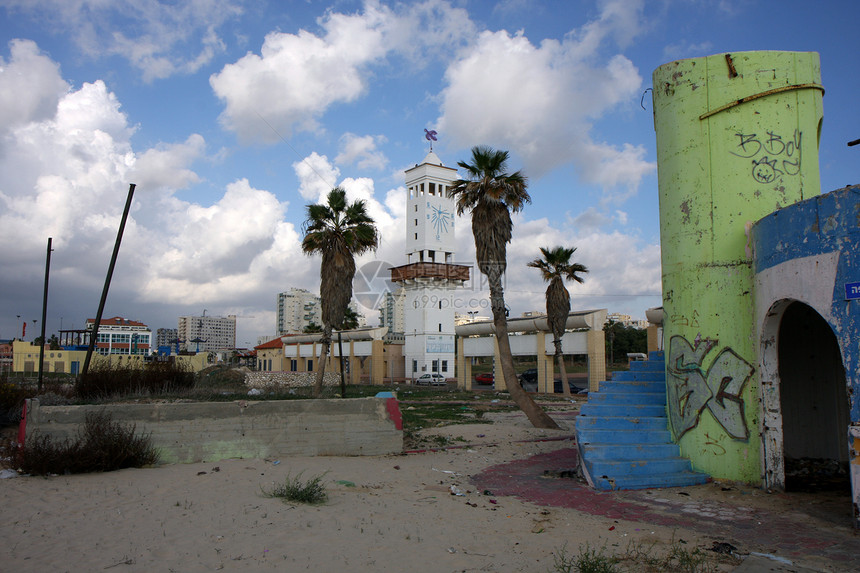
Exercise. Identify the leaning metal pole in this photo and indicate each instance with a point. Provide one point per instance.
(95, 333)
(44, 315)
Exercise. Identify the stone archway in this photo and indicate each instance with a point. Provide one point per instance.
(805, 414)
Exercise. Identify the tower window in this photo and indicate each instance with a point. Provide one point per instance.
(416, 222)
(416, 236)
(440, 324)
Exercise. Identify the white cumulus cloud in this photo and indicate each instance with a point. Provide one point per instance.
(296, 78)
(541, 101)
(167, 38)
(30, 72)
(362, 151)
(65, 173)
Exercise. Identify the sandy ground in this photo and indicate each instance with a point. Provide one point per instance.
(387, 513)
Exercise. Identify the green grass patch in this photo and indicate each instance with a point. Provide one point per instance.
(420, 415)
(427, 415)
(641, 558)
(588, 560)
(296, 490)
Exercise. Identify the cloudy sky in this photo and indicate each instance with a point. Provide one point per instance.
(231, 115)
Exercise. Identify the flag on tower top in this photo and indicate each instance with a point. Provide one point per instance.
(430, 135)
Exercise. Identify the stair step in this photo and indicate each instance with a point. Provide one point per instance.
(644, 398)
(629, 467)
(647, 366)
(625, 436)
(639, 424)
(633, 452)
(629, 410)
(633, 386)
(677, 479)
(623, 432)
(645, 376)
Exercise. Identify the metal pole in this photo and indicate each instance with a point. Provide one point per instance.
(95, 332)
(44, 315)
(340, 351)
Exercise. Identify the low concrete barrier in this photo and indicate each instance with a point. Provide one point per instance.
(211, 431)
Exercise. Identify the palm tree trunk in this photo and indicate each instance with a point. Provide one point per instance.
(326, 343)
(533, 412)
(559, 358)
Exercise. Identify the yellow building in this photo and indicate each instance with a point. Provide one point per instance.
(370, 355)
(25, 359)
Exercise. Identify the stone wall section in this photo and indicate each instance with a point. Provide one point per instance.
(276, 381)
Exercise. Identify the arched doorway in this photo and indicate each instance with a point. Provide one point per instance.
(813, 402)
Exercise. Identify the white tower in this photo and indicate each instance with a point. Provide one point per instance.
(429, 277)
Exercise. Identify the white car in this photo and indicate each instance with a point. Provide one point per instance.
(431, 379)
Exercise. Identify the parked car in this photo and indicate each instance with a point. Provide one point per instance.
(431, 379)
(529, 381)
(574, 389)
(484, 378)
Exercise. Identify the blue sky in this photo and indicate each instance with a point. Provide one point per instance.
(231, 116)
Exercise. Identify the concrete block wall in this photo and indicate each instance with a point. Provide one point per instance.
(211, 431)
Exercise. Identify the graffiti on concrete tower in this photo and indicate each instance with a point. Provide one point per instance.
(691, 390)
(772, 155)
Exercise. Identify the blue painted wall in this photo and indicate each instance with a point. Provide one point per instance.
(824, 224)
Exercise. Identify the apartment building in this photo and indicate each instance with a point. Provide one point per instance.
(297, 308)
(119, 335)
(391, 311)
(207, 333)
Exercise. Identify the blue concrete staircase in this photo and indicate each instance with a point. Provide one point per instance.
(623, 433)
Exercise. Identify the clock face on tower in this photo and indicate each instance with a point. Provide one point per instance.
(441, 219)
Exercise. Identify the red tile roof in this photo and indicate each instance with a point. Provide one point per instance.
(274, 343)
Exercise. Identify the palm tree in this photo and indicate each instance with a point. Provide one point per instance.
(338, 231)
(555, 266)
(350, 320)
(312, 328)
(491, 194)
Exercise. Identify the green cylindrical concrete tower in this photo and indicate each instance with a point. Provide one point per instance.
(737, 138)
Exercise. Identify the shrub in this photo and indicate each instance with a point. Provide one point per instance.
(294, 489)
(589, 560)
(102, 445)
(12, 399)
(105, 379)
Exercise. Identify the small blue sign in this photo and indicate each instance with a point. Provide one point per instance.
(852, 291)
